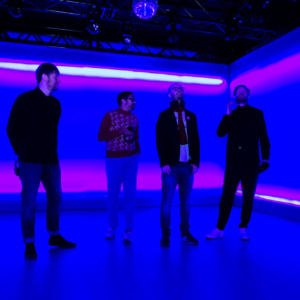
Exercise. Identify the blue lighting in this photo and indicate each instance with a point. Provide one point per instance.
(119, 74)
(145, 9)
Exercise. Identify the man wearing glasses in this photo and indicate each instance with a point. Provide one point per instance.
(119, 129)
(178, 147)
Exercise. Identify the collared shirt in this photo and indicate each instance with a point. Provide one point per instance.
(184, 149)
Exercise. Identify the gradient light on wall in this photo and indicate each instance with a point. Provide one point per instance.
(81, 175)
(273, 77)
(88, 175)
(264, 79)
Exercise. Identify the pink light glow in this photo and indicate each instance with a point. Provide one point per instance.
(89, 175)
(263, 79)
(92, 80)
(276, 194)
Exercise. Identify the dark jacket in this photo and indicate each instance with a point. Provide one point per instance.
(168, 142)
(32, 127)
(246, 130)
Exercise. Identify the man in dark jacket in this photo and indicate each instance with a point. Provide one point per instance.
(246, 130)
(32, 131)
(178, 147)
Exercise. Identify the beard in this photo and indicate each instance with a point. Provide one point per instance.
(52, 87)
(243, 100)
(177, 103)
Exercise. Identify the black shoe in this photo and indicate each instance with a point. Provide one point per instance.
(30, 252)
(59, 241)
(189, 239)
(127, 237)
(165, 241)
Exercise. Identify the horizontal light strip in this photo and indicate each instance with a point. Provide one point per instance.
(275, 199)
(119, 74)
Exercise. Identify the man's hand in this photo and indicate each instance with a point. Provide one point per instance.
(263, 167)
(229, 108)
(195, 169)
(166, 169)
(125, 131)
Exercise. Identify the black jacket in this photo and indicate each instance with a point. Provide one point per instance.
(246, 130)
(168, 142)
(32, 127)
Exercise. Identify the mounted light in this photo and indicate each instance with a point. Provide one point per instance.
(172, 28)
(127, 39)
(93, 27)
(127, 33)
(15, 8)
(145, 9)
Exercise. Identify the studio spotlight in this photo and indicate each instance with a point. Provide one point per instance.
(93, 27)
(173, 28)
(15, 8)
(127, 39)
(173, 39)
(127, 31)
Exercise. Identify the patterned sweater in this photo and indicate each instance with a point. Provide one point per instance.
(117, 144)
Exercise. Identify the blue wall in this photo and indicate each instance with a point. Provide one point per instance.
(273, 75)
(82, 110)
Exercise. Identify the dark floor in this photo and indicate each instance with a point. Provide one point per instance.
(267, 267)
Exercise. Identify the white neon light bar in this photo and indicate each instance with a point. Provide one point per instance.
(117, 74)
(275, 199)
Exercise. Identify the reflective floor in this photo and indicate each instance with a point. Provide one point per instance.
(267, 267)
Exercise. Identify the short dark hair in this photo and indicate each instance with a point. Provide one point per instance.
(241, 86)
(123, 95)
(45, 68)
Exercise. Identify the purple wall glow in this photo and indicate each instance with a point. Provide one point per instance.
(86, 97)
(262, 80)
(273, 76)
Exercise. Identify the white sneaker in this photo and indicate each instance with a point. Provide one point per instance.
(110, 234)
(243, 234)
(216, 234)
(127, 238)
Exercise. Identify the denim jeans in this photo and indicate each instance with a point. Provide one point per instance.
(182, 175)
(31, 174)
(121, 171)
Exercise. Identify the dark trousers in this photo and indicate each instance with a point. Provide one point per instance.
(182, 175)
(31, 174)
(248, 175)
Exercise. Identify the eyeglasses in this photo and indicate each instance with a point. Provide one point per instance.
(177, 88)
(131, 99)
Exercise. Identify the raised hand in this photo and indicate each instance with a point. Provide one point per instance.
(229, 108)
(166, 169)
